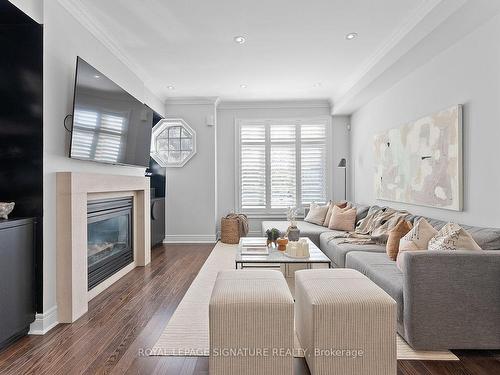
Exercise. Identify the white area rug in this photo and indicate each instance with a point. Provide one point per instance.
(186, 333)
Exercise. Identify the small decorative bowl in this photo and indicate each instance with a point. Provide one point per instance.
(282, 242)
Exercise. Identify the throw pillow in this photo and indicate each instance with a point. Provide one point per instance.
(453, 237)
(316, 214)
(395, 235)
(416, 239)
(330, 210)
(343, 219)
(328, 214)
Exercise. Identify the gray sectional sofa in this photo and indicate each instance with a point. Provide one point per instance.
(446, 300)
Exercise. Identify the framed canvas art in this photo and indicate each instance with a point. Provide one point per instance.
(421, 162)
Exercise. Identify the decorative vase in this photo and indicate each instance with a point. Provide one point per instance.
(282, 244)
(293, 233)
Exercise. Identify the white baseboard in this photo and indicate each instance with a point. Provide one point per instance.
(192, 238)
(44, 322)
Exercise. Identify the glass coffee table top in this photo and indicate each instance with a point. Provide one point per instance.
(276, 256)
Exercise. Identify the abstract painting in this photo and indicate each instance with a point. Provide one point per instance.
(421, 162)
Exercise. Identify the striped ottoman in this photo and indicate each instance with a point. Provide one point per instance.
(345, 323)
(251, 324)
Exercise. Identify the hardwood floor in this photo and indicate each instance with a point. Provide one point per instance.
(129, 317)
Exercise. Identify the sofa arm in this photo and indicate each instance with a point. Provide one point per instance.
(452, 299)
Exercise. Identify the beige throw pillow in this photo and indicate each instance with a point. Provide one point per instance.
(330, 210)
(316, 214)
(416, 239)
(453, 237)
(343, 219)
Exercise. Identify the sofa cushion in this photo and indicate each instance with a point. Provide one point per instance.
(343, 219)
(382, 271)
(317, 213)
(486, 238)
(337, 251)
(306, 229)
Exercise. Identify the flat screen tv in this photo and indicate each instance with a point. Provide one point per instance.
(109, 124)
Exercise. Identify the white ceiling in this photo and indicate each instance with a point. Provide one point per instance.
(291, 44)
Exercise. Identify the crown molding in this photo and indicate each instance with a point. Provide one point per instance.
(390, 43)
(194, 100)
(79, 12)
(274, 104)
(437, 25)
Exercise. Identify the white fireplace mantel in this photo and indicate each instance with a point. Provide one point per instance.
(73, 192)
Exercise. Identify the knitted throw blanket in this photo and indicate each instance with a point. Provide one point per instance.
(375, 227)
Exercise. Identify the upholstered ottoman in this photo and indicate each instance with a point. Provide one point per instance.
(251, 324)
(345, 323)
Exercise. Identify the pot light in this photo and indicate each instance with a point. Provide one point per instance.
(97, 76)
(240, 39)
(171, 87)
(317, 84)
(243, 86)
(351, 36)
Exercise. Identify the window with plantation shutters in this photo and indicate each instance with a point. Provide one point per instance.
(281, 164)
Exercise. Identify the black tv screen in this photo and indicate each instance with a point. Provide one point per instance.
(109, 124)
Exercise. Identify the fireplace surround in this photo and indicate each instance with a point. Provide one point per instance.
(74, 192)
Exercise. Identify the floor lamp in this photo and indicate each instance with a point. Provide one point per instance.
(343, 165)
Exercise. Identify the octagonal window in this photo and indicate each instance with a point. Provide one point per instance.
(173, 143)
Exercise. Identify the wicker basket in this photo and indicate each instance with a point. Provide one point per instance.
(230, 231)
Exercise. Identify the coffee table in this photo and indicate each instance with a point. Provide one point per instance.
(275, 258)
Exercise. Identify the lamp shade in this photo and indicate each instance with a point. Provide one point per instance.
(342, 163)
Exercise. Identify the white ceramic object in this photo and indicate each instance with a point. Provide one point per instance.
(299, 249)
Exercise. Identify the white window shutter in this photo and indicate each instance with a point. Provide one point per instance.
(253, 167)
(283, 166)
(313, 173)
(313, 164)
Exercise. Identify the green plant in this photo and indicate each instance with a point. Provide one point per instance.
(273, 234)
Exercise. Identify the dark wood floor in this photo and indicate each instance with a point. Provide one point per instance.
(129, 317)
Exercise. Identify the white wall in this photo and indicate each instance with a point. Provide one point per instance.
(64, 39)
(340, 149)
(33, 8)
(468, 73)
(226, 115)
(191, 190)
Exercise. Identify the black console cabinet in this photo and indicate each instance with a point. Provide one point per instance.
(17, 278)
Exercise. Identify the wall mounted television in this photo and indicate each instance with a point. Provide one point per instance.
(109, 124)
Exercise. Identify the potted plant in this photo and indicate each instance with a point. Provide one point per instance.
(293, 232)
(272, 235)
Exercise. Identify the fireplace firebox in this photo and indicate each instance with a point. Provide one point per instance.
(109, 238)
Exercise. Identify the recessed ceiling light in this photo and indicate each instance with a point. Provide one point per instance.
(243, 86)
(351, 36)
(240, 39)
(171, 87)
(97, 76)
(317, 84)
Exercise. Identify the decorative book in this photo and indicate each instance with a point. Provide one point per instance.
(255, 250)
